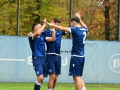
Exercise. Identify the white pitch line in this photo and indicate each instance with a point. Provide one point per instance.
(2, 59)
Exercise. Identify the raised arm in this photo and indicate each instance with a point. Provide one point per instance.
(39, 31)
(79, 16)
(66, 29)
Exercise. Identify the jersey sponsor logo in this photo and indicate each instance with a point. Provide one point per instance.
(114, 63)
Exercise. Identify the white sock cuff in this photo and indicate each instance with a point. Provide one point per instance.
(50, 89)
(37, 83)
(83, 88)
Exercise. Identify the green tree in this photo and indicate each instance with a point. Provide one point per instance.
(101, 16)
(8, 17)
(111, 16)
(30, 11)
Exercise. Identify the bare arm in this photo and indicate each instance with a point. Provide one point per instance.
(79, 16)
(83, 24)
(39, 31)
(66, 29)
(53, 37)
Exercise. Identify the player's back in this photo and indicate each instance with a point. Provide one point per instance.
(79, 38)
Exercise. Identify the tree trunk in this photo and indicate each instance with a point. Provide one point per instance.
(118, 25)
(107, 21)
(37, 19)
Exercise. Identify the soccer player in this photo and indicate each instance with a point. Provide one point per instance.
(53, 55)
(37, 45)
(79, 32)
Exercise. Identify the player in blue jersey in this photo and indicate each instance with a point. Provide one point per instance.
(37, 45)
(79, 32)
(53, 55)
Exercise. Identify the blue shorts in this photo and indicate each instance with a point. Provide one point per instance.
(76, 66)
(54, 64)
(40, 66)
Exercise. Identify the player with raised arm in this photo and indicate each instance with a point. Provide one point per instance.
(53, 54)
(37, 45)
(79, 32)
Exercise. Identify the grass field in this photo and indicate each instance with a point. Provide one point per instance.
(29, 86)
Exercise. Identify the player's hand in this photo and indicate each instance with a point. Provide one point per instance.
(30, 34)
(78, 14)
(44, 22)
(49, 24)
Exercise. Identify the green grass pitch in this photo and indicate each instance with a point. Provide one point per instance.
(60, 86)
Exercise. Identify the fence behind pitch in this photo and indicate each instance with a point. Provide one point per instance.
(102, 63)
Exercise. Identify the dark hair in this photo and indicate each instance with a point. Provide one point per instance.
(76, 19)
(56, 20)
(34, 25)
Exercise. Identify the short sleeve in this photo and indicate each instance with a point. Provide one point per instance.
(72, 29)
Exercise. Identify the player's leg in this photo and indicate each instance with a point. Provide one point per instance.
(51, 81)
(78, 83)
(54, 65)
(57, 65)
(55, 81)
(83, 85)
(38, 82)
(51, 70)
(37, 64)
(76, 70)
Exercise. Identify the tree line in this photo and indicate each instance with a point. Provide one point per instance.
(101, 16)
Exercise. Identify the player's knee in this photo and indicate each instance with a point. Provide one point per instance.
(52, 76)
(77, 78)
(56, 77)
(40, 78)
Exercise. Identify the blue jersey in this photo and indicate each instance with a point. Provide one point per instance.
(37, 46)
(54, 47)
(79, 38)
